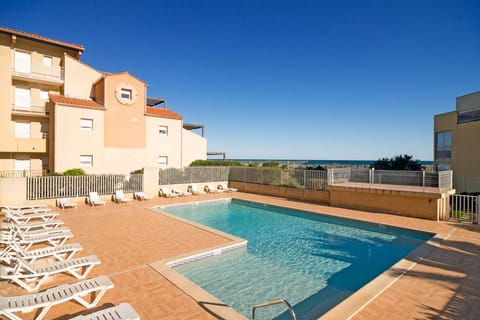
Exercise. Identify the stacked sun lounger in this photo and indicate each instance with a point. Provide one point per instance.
(34, 249)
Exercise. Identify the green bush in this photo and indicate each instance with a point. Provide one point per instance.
(270, 164)
(401, 162)
(215, 163)
(74, 172)
(138, 171)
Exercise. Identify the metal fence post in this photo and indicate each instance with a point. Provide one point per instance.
(423, 180)
(478, 209)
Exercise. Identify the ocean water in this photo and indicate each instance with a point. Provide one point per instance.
(319, 162)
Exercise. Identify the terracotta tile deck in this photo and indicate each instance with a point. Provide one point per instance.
(441, 280)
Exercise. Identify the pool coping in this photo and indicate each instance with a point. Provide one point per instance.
(346, 309)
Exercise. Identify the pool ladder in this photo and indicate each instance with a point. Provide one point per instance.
(274, 302)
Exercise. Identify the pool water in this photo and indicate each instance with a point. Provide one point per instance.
(313, 261)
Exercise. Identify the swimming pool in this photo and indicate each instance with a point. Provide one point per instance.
(311, 260)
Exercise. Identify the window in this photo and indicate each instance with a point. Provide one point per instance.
(22, 99)
(22, 164)
(86, 124)
(22, 62)
(126, 94)
(47, 61)
(86, 161)
(43, 94)
(22, 129)
(162, 161)
(443, 148)
(163, 130)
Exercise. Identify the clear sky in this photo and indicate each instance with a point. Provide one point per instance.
(279, 79)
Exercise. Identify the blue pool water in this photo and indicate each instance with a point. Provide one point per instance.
(313, 261)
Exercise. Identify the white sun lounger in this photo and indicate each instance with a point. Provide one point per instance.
(46, 299)
(31, 277)
(209, 189)
(33, 225)
(224, 187)
(93, 199)
(167, 193)
(54, 239)
(66, 203)
(181, 193)
(120, 197)
(64, 252)
(17, 233)
(124, 311)
(19, 218)
(194, 189)
(21, 207)
(142, 196)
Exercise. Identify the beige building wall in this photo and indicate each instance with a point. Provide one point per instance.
(194, 147)
(71, 142)
(79, 78)
(163, 145)
(465, 154)
(5, 91)
(124, 118)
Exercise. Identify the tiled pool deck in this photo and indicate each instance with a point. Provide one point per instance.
(441, 280)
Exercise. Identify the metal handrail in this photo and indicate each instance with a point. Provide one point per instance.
(274, 302)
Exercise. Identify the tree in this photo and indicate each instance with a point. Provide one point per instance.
(400, 162)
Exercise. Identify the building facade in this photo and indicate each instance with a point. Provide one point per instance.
(457, 137)
(58, 113)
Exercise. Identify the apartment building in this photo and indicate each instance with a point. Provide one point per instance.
(457, 136)
(58, 113)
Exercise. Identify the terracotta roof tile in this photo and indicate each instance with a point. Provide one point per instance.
(75, 102)
(161, 112)
(74, 46)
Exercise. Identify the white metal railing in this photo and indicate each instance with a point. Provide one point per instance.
(20, 173)
(40, 72)
(36, 105)
(50, 187)
(308, 179)
(464, 208)
(441, 179)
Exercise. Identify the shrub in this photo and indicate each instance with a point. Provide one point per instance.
(215, 163)
(401, 162)
(74, 172)
(138, 171)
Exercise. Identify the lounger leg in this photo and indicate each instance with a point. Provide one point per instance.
(79, 275)
(92, 304)
(10, 315)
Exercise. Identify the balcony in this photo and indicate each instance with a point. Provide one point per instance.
(32, 145)
(30, 107)
(52, 75)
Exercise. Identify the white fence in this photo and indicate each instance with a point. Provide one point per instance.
(50, 187)
(441, 180)
(309, 179)
(464, 208)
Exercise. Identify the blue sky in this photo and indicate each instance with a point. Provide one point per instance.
(283, 79)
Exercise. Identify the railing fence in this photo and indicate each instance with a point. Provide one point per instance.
(309, 179)
(50, 187)
(441, 179)
(21, 173)
(464, 208)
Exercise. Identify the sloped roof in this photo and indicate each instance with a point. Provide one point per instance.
(37, 37)
(75, 102)
(161, 112)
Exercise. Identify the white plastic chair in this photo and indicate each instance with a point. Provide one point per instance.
(31, 277)
(77, 291)
(224, 187)
(66, 203)
(120, 197)
(94, 200)
(167, 193)
(64, 252)
(142, 196)
(124, 311)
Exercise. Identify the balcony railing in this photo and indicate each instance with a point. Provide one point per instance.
(41, 73)
(33, 105)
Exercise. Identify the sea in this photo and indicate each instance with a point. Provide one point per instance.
(327, 163)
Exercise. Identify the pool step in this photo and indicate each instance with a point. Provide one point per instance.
(275, 302)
